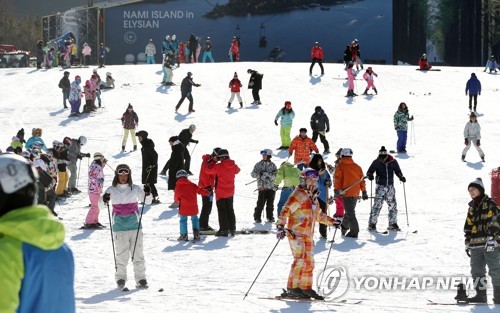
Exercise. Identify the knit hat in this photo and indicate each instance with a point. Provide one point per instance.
(235, 75)
(478, 183)
(288, 103)
(130, 106)
(382, 151)
(472, 114)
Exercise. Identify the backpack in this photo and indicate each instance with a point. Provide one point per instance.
(60, 83)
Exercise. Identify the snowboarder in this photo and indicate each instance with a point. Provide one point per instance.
(265, 172)
(299, 214)
(356, 54)
(385, 166)
(150, 52)
(176, 161)
(348, 182)
(302, 145)
(186, 137)
(74, 153)
(96, 183)
(33, 246)
(317, 56)
(185, 196)
(472, 135)
(401, 118)
(320, 125)
(287, 115)
(149, 163)
(207, 51)
(289, 174)
(186, 88)
(423, 64)
(75, 96)
(324, 183)
(351, 76)
(473, 88)
(130, 121)
(127, 232)
(368, 76)
(255, 83)
(235, 85)
(207, 181)
(482, 241)
(65, 86)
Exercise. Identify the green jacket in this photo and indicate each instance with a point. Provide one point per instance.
(289, 174)
(401, 119)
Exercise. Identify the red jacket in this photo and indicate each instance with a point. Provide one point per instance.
(206, 179)
(317, 52)
(225, 172)
(185, 194)
(235, 85)
(422, 63)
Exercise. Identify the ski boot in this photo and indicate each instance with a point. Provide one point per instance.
(461, 294)
(366, 92)
(480, 296)
(229, 105)
(312, 294)
(142, 284)
(394, 226)
(241, 105)
(183, 237)
(463, 158)
(376, 92)
(221, 233)
(196, 234)
(120, 283)
(372, 227)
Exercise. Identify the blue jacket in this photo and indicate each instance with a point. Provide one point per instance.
(286, 117)
(473, 86)
(323, 189)
(385, 171)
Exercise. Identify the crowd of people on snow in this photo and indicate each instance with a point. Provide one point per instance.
(54, 54)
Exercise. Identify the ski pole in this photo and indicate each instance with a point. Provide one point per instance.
(371, 194)
(406, 207)
(253, 181)
(110, 167)
(381, 83)
(150, 168)
(328, 256)
(78, 176)
(112, 239)
(191, 154)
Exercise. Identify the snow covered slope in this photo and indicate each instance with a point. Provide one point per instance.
(214, 275)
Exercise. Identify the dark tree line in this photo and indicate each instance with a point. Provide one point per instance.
(22, 32)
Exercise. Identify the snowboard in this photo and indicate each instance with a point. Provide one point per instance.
(238, 232)
(432, 69)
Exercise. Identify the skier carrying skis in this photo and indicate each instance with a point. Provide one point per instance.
(302, 145)
(185, 196)
(385, 166)
(96, 182)
(324, 183)
(235, 85)
(316, 56)
(482, 241)
(149, 163)
(473, 88)
(127, 232)
(472, 135)
(368, 76)
(32, 246)
(207, 181)
(300, 214)
(320, 125)
(255, 83)
(265, 172)
(423, 64)
(287, 115)
(130, 121)
(289, 174)
(351, 76)
(186, 88)
(401, 118)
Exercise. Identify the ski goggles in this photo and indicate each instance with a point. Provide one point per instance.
(123, 171)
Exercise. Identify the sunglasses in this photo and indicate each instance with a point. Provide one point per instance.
(123, 171)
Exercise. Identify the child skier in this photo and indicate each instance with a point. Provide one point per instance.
(235, 85)
(368, 76)
(472, 134)
(265, 172)
(351, 75)
(289, 174)
(185, 195)
(89, 98)
(339, 202)
(130, 121)
(96, 182)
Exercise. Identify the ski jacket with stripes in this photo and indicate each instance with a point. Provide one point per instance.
(482, 222)
(124, 199)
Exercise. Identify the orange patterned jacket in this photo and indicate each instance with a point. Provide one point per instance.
(302, 147)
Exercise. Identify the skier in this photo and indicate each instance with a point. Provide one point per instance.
(300, 213)
(491, 64)
(149, 163)
(356, 54)
(289, 174)
(45, 183)
(225, 171)
(130, 121)
(86, 52)
(165, 45)
(65, 86)
(182, 52)
(423, 64)
(167, 68)
(339, 203)
(473, 88)
(176, 162)
(39, 54)
(265, 172)
(150, 52)
(185, 196)
(482, 241)
(207, 181)
(347, 56)
(351, 76)
(75, 96)
(235, 85)
(96, 182)
(110, 82)
(348, 182)
(385, 166)
(368, 76)
(96, 79)
(35, 139)
(33, 247)
(50, 193)
(234, 50)
(207, 51)
(324, 183)
(193, 44)
(186, 88)
(186, 137)
(316, 56)
(320, 125)
(302, 145)
(74, 153)
(255, 83)
(89, 98)
(472, 135)
(102, 55)
(174, 44)
(401, 118)
(60, 155)
(127, 232)
(287, 115)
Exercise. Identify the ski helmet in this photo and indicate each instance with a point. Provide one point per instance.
(82, 140)
(308, 178)
(181, 173)
(215, 152)
(56, 144)
(174, 37)
(267, 152)
(223, 153)
(98, 156)
(346, 152)
(94, 70)
(192, 127)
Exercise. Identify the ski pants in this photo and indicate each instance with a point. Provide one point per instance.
(65, 93)
(206, 209)
(401, 144)
(72, 169)
(170, 75)
(150, 59)
(470, 101)
(357, 61)
(339, 207)
(227, 219)
(183, 223)
(98, 96)
(184, 96)
(301, 271)
(165, 75)
(350, 221)
(187, 160)
(387, 194)
(320, 62)
(478, 262)
(62, 182)
(322, 137)
(322, 227)
(266, 198)
(474, 142)
(285, 194)
(75, 105)
(207, 54)
(285, 135)
(370, 84)
(351, 83)
(124, 246)
(255, 94)
(237, 94)
(126, 132)
(93, 214)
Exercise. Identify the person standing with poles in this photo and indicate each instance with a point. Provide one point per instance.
(385, 166)
(186, 137)
(149, 163)
(299, 214)
(472, 134)
(74, 154)
(207, 181)
(96, 182)
(126, 225)
(265, 172)
(235, 85)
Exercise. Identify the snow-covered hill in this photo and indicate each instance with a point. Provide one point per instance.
(214, 275)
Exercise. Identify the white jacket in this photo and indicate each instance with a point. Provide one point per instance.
(472, 130)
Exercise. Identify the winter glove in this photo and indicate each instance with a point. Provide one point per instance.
(466, 141)
(281, 234)
(197, 85)
(364, 195)
(327, 130)
(336, 194)
(87, 155)
(106, 198)
(276, 122)
(100, 180)
(411, 118)
(370, 176)
(478, 142)
(491, 244)
(196, 141)
(402, 179)
(276, 187)
(337, 221)
(331, 200)
(147, 189)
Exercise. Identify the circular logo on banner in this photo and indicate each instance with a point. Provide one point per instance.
(130, 37)
(333, 282)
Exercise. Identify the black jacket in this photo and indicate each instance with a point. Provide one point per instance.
(187, 85)
(185, 137)
(64, 83)
(385, 171)
(193, 43)
(176, 163)
(149, 160)
(255, 81)
(319, 121)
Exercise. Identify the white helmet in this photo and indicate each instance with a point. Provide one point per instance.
(267, 152)
(173, 37)
(83, 140)
(346, 152)
(167, 37)
(94, 70)
(15, 173)
(108, 73)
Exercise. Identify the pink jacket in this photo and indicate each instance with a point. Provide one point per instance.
(96, 178)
